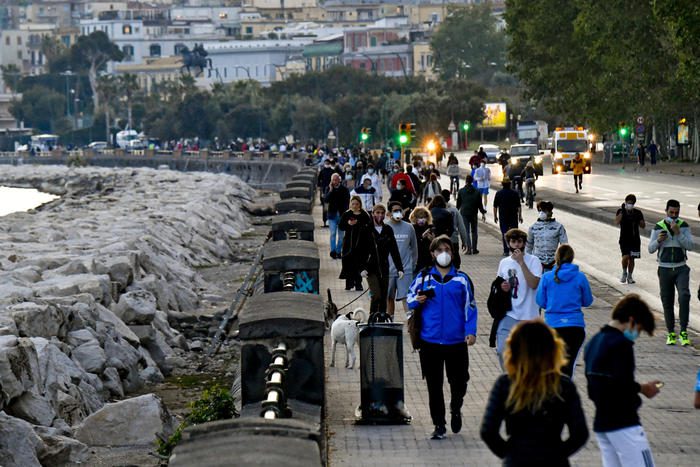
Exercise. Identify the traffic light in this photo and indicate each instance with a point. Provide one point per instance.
(404, 133)
(411, 130)
(364, 134)
(465, 126)
(623, 131)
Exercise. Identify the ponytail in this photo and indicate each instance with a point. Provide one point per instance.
(556, 271)
(564, 254)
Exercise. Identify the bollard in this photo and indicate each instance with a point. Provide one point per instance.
(293, 226)
(302, 205)
(250, 442)
(298, 260)
(381, 375)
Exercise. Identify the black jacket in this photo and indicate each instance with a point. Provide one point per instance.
(609, 357)
(498, 305)
(378, 248)
(534, 439)
(402, 196)
(469, 202)
(338, 200)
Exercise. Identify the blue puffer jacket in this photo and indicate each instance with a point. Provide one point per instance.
(563, 300)
(449, 316)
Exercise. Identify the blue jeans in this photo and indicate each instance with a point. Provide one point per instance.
(502, 333)
(336, 234)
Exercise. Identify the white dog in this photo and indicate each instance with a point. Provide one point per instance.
(345, 331)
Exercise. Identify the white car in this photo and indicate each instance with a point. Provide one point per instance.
(98, 146)
(492, 152)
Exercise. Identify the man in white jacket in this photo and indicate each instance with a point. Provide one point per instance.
(482, 175)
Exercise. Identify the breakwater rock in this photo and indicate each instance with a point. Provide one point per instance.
(89, 286)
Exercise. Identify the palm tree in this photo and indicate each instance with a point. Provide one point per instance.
(107, 90)
(128, 84)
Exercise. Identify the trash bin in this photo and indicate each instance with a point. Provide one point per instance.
(286, 206)
(293, 226)
(381, 375)
(292, 266)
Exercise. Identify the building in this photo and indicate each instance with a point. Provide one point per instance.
(385, 51)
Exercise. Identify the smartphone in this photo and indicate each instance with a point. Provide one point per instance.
(430, 293)
(660, 384)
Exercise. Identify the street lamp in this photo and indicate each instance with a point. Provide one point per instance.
(68, 73)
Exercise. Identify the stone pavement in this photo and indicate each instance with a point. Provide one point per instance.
(672, 425)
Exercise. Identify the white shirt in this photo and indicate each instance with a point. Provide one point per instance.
(522, 297)
(482, 175)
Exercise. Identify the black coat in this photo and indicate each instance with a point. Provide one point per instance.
(375, 259)
(338, 200)
(353, 247)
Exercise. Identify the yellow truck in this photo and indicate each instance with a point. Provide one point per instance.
(566, 142)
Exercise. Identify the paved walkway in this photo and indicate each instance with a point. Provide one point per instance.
(672, 424)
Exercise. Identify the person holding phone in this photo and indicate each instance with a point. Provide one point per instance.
(609, 357)
(448, 326)
(670, 240)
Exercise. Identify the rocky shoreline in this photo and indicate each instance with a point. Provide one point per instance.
(91, 285)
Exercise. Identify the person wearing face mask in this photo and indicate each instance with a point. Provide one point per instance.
(630, 220)
(562, 293)
(379, 243)
(545, 236)
(448, 313)
(353, 222)
(376, 182)
(422, 222)
(408, 251)
(609, 357)
(432, 188)
(402, 195)
(367, 193)
(338, 199)
(521, 274)
(348, 177)
(469, 204)
(324, 182)
(670, 240)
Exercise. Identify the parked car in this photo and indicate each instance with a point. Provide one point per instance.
(492, 152)
(98, 146)
(520, 154)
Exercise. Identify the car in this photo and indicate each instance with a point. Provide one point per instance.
(492, 152)
(520, 154)
(135, 144)
(98, 146)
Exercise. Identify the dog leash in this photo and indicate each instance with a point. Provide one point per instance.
(353, 300)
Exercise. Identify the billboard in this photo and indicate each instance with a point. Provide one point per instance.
(495, 115)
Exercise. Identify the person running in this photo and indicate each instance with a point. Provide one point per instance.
(562, 293)
(422, 222)
(521, 274)
(609, 357)
(670, 240)
(367, 193)
(482, 175)
(545, 236)
(337, 199)
(506, 205)
(448, 327)
(353, 223)
(469, 204)
(535, 401)
(407, 244)
(379, 243)
(578, 166)
(630, 220)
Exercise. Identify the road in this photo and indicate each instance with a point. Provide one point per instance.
(596, 242)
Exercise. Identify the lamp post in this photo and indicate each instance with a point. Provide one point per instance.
(68, 73)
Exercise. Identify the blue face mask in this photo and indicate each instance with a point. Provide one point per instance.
(631, 334)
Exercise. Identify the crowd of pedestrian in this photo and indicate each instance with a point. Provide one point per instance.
(409, 251)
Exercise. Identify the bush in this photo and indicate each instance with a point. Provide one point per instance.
(216, 403)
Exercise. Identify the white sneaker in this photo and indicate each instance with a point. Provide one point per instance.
(623, 279)
(630, 280)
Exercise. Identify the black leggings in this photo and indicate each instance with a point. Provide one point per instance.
(573, 337)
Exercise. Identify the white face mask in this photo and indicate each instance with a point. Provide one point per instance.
(444, 259)
(370, 171)
(397, 215)
(543, 216)
(348, 176)
(629, 206)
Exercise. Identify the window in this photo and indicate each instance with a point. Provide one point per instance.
(154, 50)
(19, 54)
(128, 53)
(19, 40)
(373, 41)
(179, 48)
(126, 29)
(7, 40)
(249, 29)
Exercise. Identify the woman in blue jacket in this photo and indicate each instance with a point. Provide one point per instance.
(562, 293)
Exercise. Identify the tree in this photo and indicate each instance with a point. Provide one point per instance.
(11, 76)
(107, 90)
(92, 53)
(40, 108)
(468, 44)
(128, 85)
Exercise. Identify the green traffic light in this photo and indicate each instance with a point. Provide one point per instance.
(364, 136)
(623, 131)
(465, 126)
(403, 139)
